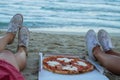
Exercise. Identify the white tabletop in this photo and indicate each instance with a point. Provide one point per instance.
(93, 75)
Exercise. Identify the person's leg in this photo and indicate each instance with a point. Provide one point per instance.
(5, 40)
(106, 43)
(9, 57)
(108, 58)
(21, 57)
(91, 42)
(6, 54)
(13, 27)
(112, 52)
(22, 47)
(18, 60)
(110, 62)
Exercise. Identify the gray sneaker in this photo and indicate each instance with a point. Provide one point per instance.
(15, 23)
(91, 42)
(105, 40)
(23, 37)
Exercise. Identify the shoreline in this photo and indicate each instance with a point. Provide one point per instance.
(66, 32)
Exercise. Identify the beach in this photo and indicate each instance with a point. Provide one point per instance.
(59, 26)
(55, 43)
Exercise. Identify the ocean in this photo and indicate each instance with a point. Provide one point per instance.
(63, 15)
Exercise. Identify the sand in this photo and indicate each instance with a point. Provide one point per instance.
(55, 43)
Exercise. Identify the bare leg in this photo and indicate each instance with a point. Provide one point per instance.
(6, 54)
(110, 62)
(7, 39)
(9, 57)
(112, 52)
(21, 57)
(14, 25)
(23, 40)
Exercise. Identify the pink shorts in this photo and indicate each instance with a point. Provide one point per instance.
(9, 72)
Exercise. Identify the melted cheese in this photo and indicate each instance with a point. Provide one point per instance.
(53, 63)
(81, 63)
(69, 67)
(65, 59)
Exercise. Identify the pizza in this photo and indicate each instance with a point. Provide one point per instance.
(66, 65)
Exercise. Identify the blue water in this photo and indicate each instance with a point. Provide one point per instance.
(72, 14)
